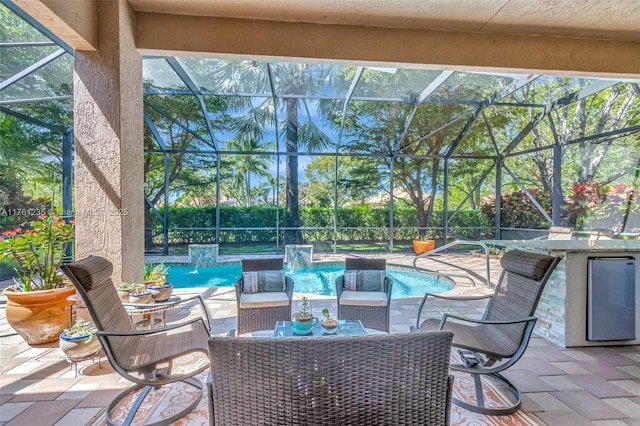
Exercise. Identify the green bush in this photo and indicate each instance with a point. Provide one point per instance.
(360, 223)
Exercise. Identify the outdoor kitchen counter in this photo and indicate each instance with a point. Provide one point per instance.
(562, 312)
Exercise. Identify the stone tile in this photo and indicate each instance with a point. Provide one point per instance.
(543, 401)
(598, 386)
(526, 382)
(588, 405)
(563, 418)
(571, 367)
(538, 366)
(560, 382)
(78, 416)
(626, 406)
(11, 386)
(608, 423)
(10, 410)
(631, 369)
(606, 371)
(44, 389)
(579, 355)
(9, 363)
(631, 386)
(44, 413)
(100, 397)
(545, 353)
(631, 422)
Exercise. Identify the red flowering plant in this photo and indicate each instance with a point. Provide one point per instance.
(38, 252)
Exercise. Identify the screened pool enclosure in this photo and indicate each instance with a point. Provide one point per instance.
(254, 155)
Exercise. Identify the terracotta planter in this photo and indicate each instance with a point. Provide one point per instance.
(39, 316)
(423, 246)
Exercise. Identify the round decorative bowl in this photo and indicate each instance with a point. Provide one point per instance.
(80, 347)
(144, 297)
(160, 293)
(329, 325)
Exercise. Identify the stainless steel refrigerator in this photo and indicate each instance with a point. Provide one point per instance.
(611, 298)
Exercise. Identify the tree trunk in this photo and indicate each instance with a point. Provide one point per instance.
(292, 209)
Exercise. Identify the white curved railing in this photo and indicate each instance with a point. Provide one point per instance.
(448, 246)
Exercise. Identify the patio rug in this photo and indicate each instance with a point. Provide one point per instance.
(163, 402)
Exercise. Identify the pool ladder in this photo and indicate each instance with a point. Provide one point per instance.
(448, 246)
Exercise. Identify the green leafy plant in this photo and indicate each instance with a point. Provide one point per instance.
(156, 273)
(305, 312)
(132, 288)
(38, 252)
(326, 313)
(81, 328)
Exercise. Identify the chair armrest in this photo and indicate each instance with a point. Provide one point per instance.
(289, 287)
(152, 331)
(339, 286)
(446, 316)
(388, 286)
(202, 305)
(461, 298)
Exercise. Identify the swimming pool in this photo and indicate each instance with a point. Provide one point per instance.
(314, 280)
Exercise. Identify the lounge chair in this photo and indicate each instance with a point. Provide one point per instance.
(260, 308)
(370, 302)
(497, 341)
(384, 379)
(147, 358)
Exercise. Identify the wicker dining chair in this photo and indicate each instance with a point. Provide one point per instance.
(383, 379)
(148, 358)
(497, 341)
(261, 311)
(370, 307)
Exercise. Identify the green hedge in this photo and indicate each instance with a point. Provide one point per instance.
(372, 224)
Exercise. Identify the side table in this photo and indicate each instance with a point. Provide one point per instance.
(150, 310)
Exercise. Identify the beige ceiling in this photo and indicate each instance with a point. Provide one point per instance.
(606, 19)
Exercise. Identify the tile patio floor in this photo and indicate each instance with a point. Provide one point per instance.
(588, 386)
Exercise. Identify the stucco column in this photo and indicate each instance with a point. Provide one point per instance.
(109, 145)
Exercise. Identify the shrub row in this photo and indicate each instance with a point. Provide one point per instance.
(360, 223)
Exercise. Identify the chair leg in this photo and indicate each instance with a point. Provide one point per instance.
(196, 383)
(480, 406)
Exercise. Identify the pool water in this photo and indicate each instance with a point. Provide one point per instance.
(314, 280)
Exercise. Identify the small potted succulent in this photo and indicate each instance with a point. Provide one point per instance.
(140, 295)
(126, 289)
(79, 342)
(155, 274)
(155, 278)
(303, 320)
(160, 293)
(329, 322)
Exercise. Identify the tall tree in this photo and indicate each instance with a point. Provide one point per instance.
(293, 82)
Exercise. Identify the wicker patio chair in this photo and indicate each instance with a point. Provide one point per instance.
(261, 311)
(384, 379)
(370, 307)
(498, 340)
(147, 358)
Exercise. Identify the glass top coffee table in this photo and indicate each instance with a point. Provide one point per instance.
(345, 328)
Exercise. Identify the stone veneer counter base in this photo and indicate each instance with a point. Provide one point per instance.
(562, 312)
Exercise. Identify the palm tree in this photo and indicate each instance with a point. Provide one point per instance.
(291, 81)
(248, 164)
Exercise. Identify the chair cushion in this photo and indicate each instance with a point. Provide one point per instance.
(527, 264)
(260, 281)
(266, 299)
(364, 280)
(363, 298)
